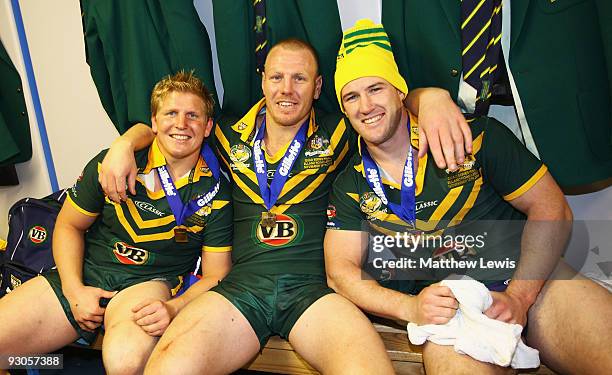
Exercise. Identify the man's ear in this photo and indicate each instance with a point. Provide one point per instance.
(208, 127)
(402, 95)
(263, 78)
(153, 124)
(318, 85)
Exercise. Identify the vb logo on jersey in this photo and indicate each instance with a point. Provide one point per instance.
(127, 254)
(37, 234)
(284, 231)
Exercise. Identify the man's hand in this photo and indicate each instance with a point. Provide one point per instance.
(436, 304)
(508, 308)
(442, 127)
(85, 306)
(153, 316)
(118, 164)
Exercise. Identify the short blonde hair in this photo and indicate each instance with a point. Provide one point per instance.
(295, 44)
(181, 81)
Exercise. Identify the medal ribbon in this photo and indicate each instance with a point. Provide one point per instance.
(406, 210)
(180, 211)
(270, 194)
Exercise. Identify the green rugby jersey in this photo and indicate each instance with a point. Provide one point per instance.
(471, 200)
(136, 238)
(295, 243)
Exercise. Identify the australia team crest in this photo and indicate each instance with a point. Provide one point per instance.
(240, 155)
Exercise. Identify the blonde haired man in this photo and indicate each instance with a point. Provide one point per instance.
(119, 264)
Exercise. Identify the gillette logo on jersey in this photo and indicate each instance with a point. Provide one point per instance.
(130, 255)
(283, 232)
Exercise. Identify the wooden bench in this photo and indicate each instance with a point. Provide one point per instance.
(279, 357)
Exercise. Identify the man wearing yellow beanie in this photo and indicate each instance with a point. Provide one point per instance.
(392, 194)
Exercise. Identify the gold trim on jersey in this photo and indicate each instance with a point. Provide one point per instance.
(146, 224)
(304, 193)
(227, 147)
(81, 210)
(527, 185)
(477, 144)
(217, 249)
(178, 287)
(298, 178)
(146, 237)
(469, 203)
(243, 186)
(276, 157)
(219, 204)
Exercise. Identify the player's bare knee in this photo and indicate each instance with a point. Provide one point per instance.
(166, 356)
(124, 360)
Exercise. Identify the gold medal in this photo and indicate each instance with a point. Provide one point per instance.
(180, 235)
(268, 219)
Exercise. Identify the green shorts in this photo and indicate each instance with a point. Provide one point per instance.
(111, 283)
(272, 303)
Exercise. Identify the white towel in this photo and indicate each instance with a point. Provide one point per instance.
(471, 332)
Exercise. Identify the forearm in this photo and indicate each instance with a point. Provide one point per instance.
(68, 252)
(542, 244)
(369, 295)
(137, 137)
(200, 287)
(413, 99)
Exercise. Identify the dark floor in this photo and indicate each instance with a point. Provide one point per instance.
(79, 361)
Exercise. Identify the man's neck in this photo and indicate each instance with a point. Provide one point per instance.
(279, 136)
(180, 167)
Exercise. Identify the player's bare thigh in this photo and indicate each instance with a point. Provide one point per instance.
(209, 336)
(439, 359)
(572, 313)
(126, 346)
(335, 337)
(33, 321)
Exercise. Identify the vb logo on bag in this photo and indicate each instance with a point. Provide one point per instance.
(37, 234)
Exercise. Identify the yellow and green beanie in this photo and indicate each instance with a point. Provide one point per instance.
(366, 52)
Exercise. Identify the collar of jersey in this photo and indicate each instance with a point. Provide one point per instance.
(250, 120)
(414, 141)
(157, 159)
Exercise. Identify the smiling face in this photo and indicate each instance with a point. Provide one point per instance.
(290, 83)
(180, 125)
(374, 108)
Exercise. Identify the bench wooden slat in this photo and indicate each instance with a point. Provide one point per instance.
(278, 355)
